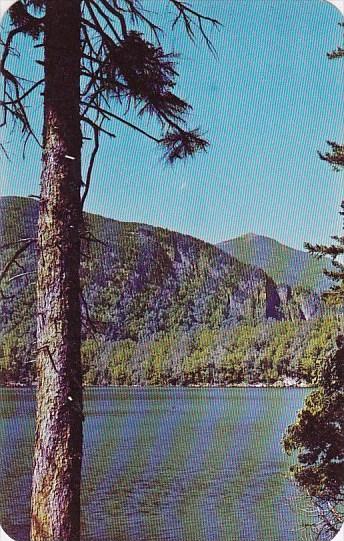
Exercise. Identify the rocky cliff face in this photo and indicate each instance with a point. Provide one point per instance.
(140, 282)
(159, 280)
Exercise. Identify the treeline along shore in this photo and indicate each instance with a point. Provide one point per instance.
(162, 308)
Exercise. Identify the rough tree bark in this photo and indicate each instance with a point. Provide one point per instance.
(58, 446)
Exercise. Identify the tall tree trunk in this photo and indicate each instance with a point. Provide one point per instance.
(58, 445)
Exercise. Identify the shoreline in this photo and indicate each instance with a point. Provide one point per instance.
(276, 385)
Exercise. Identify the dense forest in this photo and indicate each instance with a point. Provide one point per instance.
(161, 308)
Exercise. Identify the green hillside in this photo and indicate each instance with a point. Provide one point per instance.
(284, 264)
(162, 308)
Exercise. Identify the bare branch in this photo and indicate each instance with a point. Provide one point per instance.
(4, 151)
(138, 16)
(14, 105)
(94, 125)
(47, 349)
(103, 14)
(109, 114)
(13, 259)
(22, 275)
(13, 243)
(23, 96)
(91, 323)
(99, 29)
(90, 237)
(91, 164)
(187, 15)
(111, 9)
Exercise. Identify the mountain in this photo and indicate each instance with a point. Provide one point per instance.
(160, 307)
(284, 264)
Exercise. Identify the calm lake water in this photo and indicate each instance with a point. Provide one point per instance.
(167, 464)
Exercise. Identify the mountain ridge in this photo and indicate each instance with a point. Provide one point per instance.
(166, 308)
(286, 265)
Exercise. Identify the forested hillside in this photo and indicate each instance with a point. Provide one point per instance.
(284, 264)
(163, 308)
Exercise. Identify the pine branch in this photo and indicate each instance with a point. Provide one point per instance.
(334, 296)
(181, 144)
(337, 53)
(335, 276)
(20, 17)
(336, 157)
(340, 240)
(320, 250)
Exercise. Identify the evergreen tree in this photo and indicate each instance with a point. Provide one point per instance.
(318, 433)
(95, 56)
(335, 157)
(335, 296)
(318, 436)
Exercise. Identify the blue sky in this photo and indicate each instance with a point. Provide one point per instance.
(267, 103)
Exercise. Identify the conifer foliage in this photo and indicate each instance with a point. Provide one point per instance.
(318, 433)
(117, 61)
(335, 158)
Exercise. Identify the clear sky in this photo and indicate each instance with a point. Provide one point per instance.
(267, 103)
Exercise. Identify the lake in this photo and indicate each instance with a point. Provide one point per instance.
(167, 464)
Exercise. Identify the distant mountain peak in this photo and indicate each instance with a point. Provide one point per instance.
(284, 264)
(262, 238)
(169, 308)
(251, 235)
